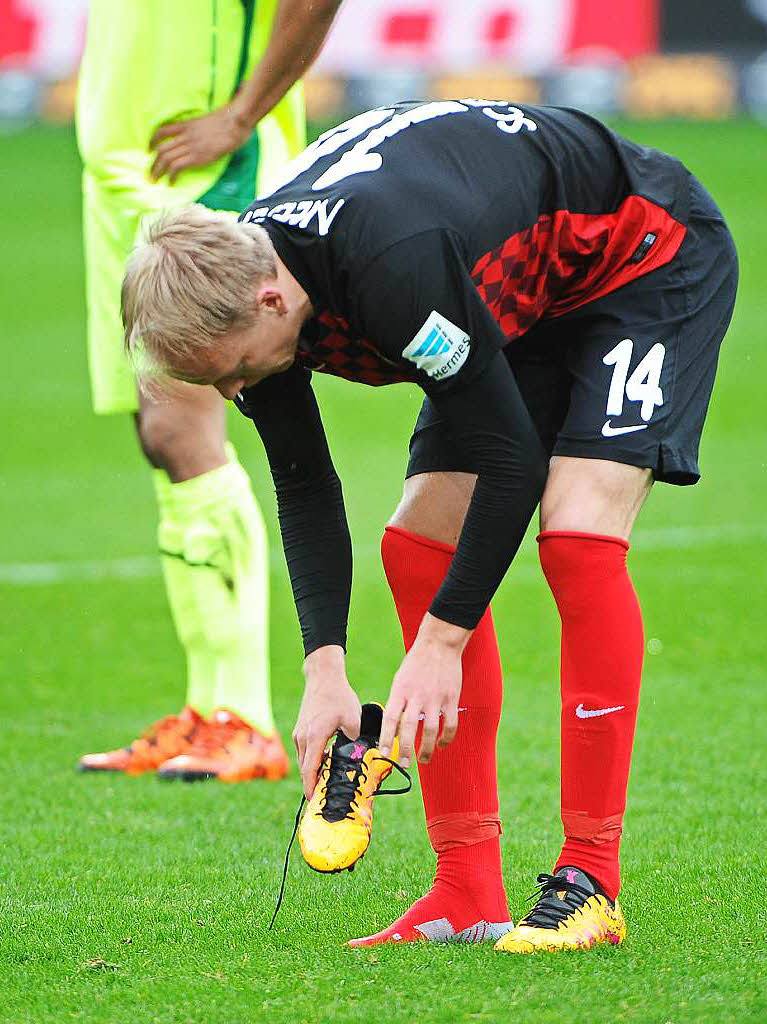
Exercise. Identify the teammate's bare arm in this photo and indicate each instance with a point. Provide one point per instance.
(298, 32)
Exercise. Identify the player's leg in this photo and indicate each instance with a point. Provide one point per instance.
(459, 786)
(215, 559)
(195, 457)
(109, 228)
(588, 510)
(587, 514)
(643, 371)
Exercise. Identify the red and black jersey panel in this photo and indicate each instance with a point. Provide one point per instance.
(328, 345)
(568, 259)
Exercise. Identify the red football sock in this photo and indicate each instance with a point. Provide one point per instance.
(459, 786)
(602, 649)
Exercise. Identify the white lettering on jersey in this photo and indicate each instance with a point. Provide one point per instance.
(329, 142)
(360, 160)
(376, 126)
(298, 214)
(440, 348)
(511, 122)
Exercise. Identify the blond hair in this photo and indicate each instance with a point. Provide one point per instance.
(190, 280)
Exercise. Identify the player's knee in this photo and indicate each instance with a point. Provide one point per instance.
(593, 496)
(434, 505)
(177, 442)
(159, 436)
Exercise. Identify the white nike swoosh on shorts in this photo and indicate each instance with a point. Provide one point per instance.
(581, 712)
(608, 431)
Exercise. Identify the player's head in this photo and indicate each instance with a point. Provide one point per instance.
(205, 299)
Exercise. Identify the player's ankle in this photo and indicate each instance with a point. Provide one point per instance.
(600, 861)
(470, 877)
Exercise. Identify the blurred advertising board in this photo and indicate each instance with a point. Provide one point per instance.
(454, 35)
(645, 58)
(444, 35)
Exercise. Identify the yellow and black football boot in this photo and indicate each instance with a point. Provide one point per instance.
(570, 912)
(335, 831)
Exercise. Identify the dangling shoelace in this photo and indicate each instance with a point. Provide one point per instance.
(549, 910)
(341, 784)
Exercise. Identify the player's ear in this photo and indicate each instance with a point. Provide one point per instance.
(270, 299)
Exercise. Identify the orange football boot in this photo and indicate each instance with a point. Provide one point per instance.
(167, 738)
(229, 749)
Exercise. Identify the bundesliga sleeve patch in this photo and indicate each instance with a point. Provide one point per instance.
(440, 348)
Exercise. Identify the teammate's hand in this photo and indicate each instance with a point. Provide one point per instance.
(199, 141)
(427, 685)
(329, 704)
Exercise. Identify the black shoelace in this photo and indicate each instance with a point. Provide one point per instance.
(345, 777)
(549, 910)
(339, 800)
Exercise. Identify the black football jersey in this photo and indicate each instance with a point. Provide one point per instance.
(429, 235)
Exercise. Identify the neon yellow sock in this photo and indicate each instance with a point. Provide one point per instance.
(216, 565)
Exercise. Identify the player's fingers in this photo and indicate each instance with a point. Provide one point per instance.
(449, 724)
(429, 735)
(160, 165)
(164, 132)
(177, 165)
(310, 765)
(408, 724)
(164, 157)
(389, 724)
(300, 745)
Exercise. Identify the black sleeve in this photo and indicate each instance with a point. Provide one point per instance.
(310, 504)
(418, 302)
(490, 421)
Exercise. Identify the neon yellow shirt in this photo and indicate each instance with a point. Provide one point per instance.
(151, 61)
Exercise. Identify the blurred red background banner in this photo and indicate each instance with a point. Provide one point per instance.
(43, 36)
(526, 35)
(379, 35)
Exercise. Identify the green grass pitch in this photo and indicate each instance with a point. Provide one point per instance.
(125, 901)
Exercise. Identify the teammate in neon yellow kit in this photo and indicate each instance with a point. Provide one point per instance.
(182, 102)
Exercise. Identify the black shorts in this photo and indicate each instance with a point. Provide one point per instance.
(628, 377)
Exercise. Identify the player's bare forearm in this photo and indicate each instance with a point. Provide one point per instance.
(328, 704)
(438, 631)
(298, 32)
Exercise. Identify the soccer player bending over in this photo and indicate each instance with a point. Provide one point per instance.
(560, 295)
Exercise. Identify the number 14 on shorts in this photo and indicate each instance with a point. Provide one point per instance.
(642, 386)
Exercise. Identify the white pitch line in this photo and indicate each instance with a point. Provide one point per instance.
(37, 573)
(668, 537)
(141, 567)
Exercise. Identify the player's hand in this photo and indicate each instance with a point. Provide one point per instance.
(180, 145)
(329, 704)
(427, 685)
